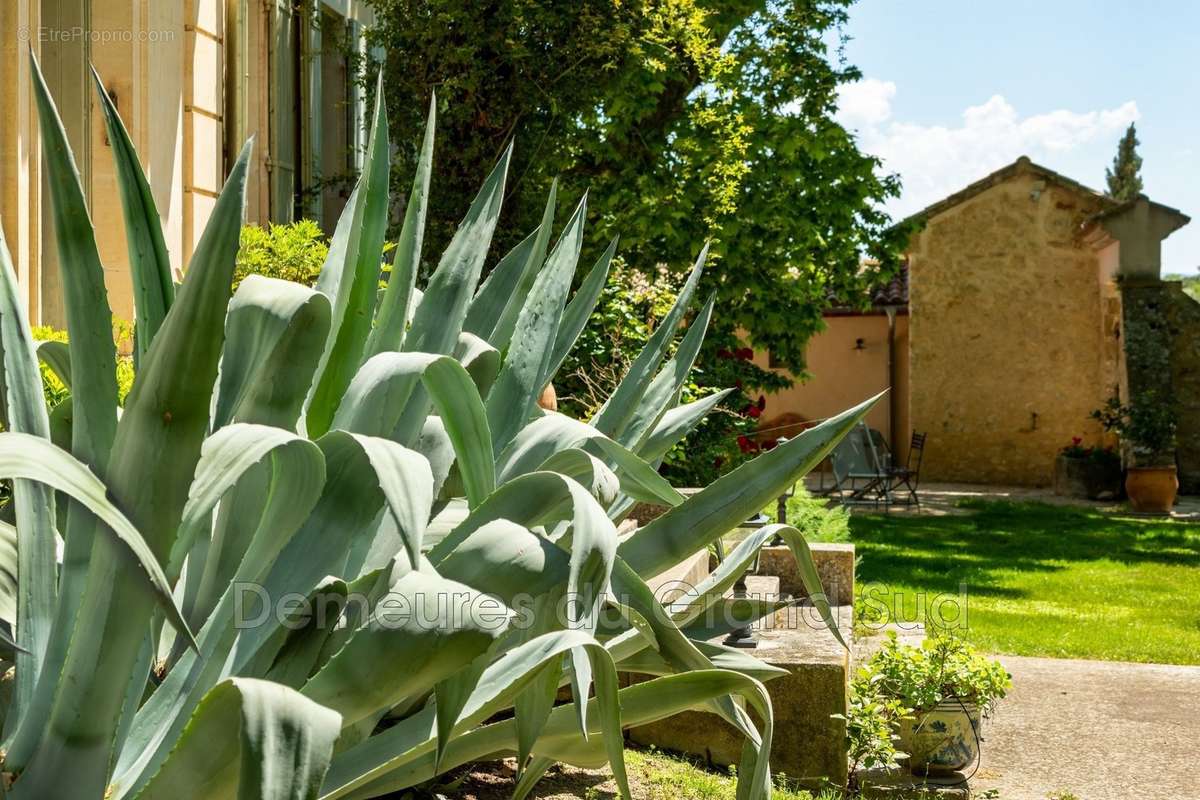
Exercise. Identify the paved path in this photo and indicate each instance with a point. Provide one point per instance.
(938, 499)
(1099, 730)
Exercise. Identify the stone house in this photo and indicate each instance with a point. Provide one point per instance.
(1007, 327)
(193, 79)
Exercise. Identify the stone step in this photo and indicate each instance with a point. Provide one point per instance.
(809, 744)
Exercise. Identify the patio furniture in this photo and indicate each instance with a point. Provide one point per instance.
(860, 476)
(908, 478)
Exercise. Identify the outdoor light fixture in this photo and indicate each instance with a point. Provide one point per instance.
(860, 344)
(743, 636)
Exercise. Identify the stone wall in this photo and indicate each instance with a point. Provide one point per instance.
(1183, 315)
(1010, 332)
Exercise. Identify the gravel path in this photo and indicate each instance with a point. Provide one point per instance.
(1098, 730)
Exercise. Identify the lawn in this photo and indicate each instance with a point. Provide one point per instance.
(1042, 580)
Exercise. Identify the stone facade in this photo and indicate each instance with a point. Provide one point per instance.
(165, 65)
(1183, 315)
(1012, 324)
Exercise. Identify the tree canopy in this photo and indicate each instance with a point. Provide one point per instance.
(688, 120)
(1124, 177)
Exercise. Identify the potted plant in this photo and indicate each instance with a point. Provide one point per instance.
(947, 688)
(1091, 472)
(1146, 428)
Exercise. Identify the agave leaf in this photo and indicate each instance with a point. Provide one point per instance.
(498, 288)
(729, 500)
(498, 303)
(166, 412)
(729, 613)
(384, 388)
(648, 662)
(8, 574)
(89, 318)
(479, 359)
(552, 433)
(579, 310)
(93, 378)
(424, 629)
(350, 276)
(413, 739)
(465, 419)
(640, 704)
(365, 474)
(149, 264)
(250, 738)
(583, 467)
(34, 503)
(33, 458)
(527, 363)
(56, 356)
(507, 561)
(529, 778)
(275, 332)
(443, 308)
(284, 500)
(663, 392)
(676, 424)
(392, 317)
(614, 415)
(297, 473)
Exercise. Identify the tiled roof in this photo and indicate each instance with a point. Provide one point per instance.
(894, 292)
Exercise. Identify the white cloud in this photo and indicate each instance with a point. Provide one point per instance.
(935, 160)
(865, 102)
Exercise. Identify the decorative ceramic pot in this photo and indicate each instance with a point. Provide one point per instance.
(1151, 489)
(943, 740)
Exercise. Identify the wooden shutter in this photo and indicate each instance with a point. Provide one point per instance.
(283, 81)
(310, 129)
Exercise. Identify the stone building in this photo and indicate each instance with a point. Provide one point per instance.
(193, 79)
(1006, 329)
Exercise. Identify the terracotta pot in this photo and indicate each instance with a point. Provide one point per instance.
(1151, 489)
(942, 741)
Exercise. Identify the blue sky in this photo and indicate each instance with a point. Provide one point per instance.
(954, 90)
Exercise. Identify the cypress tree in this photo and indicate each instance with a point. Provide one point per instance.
(1124, 180)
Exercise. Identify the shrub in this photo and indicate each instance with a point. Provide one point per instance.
(330, 546)
(1146, 426)
(943, 667)
(292, 252)
(813, 517)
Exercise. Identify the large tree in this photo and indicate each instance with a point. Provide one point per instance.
(1124, 178)
(688, 120)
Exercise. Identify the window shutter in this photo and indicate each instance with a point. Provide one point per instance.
(282, 93)
(310, 130)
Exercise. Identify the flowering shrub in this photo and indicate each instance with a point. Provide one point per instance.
(1146, 426)
(1099, 455)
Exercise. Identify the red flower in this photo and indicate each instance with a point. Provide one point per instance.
(745, 445)
(723, 353)
(745, 353)
(754, 411)
(1075, 440)
(762, 402)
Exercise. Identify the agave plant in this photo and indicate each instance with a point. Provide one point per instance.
(166, 564)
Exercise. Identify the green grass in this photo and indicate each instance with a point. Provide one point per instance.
(666, 777)
(1043, 580)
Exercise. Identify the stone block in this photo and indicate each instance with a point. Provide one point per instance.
(676, 580)
(835, 565)
(809, 745)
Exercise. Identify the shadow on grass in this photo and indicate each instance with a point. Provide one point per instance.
(943, 553)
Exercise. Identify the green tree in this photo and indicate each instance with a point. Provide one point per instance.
(688, 120)
(1124, 178)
